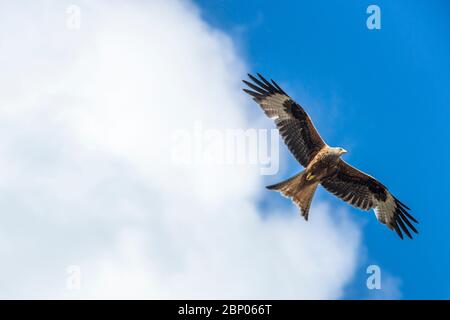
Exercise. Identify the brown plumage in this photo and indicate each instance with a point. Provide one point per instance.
(323, 164)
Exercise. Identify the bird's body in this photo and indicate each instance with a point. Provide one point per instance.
(323, 164)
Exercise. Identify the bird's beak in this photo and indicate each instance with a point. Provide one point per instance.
(344, 151)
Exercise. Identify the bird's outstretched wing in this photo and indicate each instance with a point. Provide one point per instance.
(365, 192)
(293, 122)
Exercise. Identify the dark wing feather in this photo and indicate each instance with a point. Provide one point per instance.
(294, 124)
(365, 192)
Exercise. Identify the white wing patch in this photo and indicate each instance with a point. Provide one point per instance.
(273, 106)
(385, 210)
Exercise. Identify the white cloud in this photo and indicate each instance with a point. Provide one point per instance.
(389, 290)
(86, 122)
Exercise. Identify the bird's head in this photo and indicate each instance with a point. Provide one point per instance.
(339, 151)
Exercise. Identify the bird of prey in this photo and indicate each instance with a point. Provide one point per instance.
(323, 164)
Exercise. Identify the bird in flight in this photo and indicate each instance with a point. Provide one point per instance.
(323, 164)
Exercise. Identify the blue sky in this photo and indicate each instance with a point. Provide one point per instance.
(381, 94)
(89, 149)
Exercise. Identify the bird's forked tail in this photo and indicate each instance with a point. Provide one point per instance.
(299, 190)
